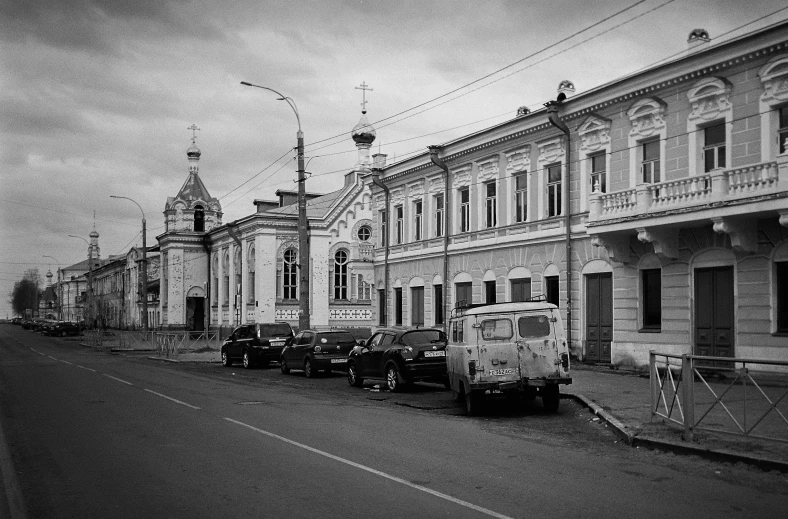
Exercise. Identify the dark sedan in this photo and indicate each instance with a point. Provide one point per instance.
(313, 350)
(63, 328)
(400, 356)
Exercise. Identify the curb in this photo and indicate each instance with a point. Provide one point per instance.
(163, 359)
(633, 440)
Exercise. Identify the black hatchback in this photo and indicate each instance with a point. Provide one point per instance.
(255, 344)
(400, 356)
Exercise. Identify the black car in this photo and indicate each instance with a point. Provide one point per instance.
(255, 344)
(63, 328)
(400, 356)
(313, 350)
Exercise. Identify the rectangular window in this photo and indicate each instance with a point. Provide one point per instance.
(437, 291)
(490, 205)
(652, 299)
(552, 290)
(398, 306)
(465, 209)
(714, 147)
(782, 132)
(521, 198)
(400, 224)
(438, 215)
(417, 211)
(598, 173)
(650, 165)
(521, 289)
(553, 173)
(364, 289)
(417, 306)
(382, 307)
(383, 229)
(782, 296)
(489, 292)
(463, 294)
(250, 288)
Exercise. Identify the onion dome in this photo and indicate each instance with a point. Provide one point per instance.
(49, 274)
(193, 152)
(94, 234)
(363, 132)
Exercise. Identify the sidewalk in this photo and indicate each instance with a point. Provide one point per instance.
(622, 398)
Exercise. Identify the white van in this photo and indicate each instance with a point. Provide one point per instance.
(507, 347)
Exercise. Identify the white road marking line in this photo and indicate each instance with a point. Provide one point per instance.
(51, 357)
(83, 367)
(377, 472)
(118, 379)
(170, 398)
(67, 362)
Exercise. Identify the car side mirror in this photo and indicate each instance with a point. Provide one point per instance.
(361, 342)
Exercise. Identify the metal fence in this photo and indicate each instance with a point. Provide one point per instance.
(745, 397)
(171, 343)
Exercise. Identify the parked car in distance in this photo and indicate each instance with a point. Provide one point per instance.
(400, 356)
(44, 325)
(63, 328)
(313, 350)
(254, 344)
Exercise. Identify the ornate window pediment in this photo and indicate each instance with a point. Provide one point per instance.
(397, 195)
(488, 169)
(647, 117)
(461, 177)
(518, 161)
(594, 133)
(416, 188)
(774, 76)
(436, 184)
(710, 99)
(550, 151)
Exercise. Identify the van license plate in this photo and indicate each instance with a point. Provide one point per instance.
(499, 372)
(338, 361)
(434, 353)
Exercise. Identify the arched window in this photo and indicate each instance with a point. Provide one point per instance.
(199, 218)
(226, 272)
(250, 277)
(215, 290)
(290, 277)
(238, 273)
(340, 275)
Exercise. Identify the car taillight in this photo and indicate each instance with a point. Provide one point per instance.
(565, 361)
(472, 368)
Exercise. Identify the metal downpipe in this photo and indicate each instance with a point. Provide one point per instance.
(376, 180)
(434, 150)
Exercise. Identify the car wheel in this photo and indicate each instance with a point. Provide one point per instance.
(248, 364)
(550, 398)
(308, 371)
(392, 378)
(226, 362)
(352, 376)
(283, 366)
(473, 402)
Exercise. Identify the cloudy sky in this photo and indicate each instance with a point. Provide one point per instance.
(96, 95)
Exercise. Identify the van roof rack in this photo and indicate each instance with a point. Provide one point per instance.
(462, 305)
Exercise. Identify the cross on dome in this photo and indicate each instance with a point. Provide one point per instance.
(194, 130)
(364, 87)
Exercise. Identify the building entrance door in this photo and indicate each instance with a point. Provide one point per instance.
(195, 314)
(714, 312)
(599, 316)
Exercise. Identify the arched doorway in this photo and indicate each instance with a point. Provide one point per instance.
(195, 309)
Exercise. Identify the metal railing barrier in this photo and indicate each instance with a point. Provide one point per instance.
(745, 397)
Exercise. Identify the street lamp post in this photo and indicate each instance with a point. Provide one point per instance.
(144, 268)
(59, 290)
(303, 238)
(88, 317)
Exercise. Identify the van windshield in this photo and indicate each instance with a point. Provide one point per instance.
(274, 330)
(533, 326)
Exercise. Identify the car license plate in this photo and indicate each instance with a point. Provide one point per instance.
(338, 361)
(434, 353)
(277, 343)
(499, 372)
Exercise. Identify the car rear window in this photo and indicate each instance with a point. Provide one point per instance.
(422, 337)
(274, 330)
(497, 329)
(533, 326)
(335, 338)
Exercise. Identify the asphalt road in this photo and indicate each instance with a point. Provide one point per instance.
(98, 435)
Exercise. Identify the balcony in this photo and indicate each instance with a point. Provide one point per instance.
(729, 199)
